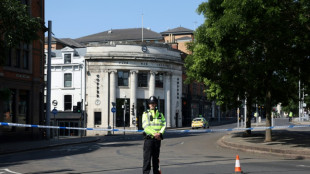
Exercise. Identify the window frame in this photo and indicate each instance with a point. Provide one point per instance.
(159, 83)
(142, 79)
(65, 58)
(121, 80)
(65, 80)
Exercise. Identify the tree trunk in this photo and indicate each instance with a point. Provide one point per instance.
(248, 115)
(268, 136)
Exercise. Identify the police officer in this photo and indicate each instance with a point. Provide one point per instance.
(154, 125)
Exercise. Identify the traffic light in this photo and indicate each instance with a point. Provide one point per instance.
(78, 107)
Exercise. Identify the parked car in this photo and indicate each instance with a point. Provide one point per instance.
(200, 122)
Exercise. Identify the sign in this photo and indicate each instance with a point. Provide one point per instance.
(113, 110)
(54, 102)
(55, 111)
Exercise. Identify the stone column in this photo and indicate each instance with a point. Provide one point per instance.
(152, 83)
(113, 85)
(168, 99)
(105, 99)
(133, 97)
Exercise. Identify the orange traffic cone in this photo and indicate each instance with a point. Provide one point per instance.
(237, 165)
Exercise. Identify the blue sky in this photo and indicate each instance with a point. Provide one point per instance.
(78, 18)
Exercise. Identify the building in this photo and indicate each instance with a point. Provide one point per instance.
(22, 80)
(67, 88)
(128, 74)
(124, 67)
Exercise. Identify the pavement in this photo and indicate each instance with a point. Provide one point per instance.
(290, 143)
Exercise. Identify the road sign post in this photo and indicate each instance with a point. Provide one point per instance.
(113, 110)
(54, 111)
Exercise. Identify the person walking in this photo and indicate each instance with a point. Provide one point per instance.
(154, 125)
(255, 116)
(290, 117)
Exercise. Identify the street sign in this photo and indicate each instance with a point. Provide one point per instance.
(54, 102)
(113, 109)
(55, 111)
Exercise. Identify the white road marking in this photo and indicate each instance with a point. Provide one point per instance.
(302, 166)
(8, 170)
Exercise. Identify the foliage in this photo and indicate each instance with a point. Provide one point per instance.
(16, 25)
(252, 49)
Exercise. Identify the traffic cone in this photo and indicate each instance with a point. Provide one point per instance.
(237, 165)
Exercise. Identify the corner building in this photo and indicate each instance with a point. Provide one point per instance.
(130, 74)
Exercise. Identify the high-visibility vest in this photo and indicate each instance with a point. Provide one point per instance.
(153, 122)
(291, 114)
(255, 114)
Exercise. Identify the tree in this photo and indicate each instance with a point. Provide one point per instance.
(16, 26)
(253, 49)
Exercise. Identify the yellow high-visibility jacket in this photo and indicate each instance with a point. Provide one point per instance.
(153, 122)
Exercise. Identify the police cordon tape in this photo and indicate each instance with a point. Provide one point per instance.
(169, 130)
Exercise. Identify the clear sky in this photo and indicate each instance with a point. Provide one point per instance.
(78, 18)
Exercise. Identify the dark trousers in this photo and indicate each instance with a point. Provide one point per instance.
(151, 150)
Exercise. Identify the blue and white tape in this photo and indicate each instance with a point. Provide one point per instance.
(169, 130)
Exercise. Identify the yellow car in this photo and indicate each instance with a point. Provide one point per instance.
(200, 122)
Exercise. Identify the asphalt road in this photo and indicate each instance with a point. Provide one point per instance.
(180, 153)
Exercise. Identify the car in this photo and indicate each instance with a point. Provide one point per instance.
(200, 122)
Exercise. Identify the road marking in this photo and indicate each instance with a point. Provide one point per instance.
(302, 166)
(8, 170)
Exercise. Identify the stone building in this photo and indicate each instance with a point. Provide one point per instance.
(131, 73)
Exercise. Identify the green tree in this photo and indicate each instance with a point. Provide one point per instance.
(16, 26)
(253, 49)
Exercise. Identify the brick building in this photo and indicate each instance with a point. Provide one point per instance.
(22, 80)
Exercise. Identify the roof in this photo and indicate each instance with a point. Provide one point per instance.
(72, 43)
(178, 30)
(131, 34)
(66, 41)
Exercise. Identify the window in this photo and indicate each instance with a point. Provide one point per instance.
(159, 80)
(67, 58)
(25, 53)
(18, 57)
(68, 102)
(142, 79)
(68, 80)
(123, 78)
(97, 118)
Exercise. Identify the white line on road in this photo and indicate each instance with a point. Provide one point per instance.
(8, 170)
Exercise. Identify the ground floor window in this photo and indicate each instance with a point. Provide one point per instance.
(68, 132)
(97, 118)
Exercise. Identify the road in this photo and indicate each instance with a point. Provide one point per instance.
(180, 153)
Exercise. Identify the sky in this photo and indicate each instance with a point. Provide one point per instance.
(78, 18)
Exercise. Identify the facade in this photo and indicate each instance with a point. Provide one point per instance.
(67, 88)
(131, 73)
(22, 84)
